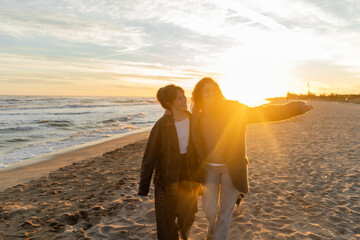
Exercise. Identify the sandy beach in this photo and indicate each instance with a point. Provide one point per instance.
(304, 180)
(28, 170)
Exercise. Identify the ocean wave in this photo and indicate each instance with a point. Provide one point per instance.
(60, 124)
(141, 100)
(29, 113)
(15, 114)
(16, 129)
(72, 106)
(111, 120)
(17, 140)
(54, 123)
(63, 122)
(141, 114)
(56, 107)
(70, 113)
(11, 100)
(34, 150)
(102, 132)
(125, 118)
(142, 122)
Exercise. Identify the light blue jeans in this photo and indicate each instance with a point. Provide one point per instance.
(218, 186)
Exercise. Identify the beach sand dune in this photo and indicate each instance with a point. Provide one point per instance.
(304, 179)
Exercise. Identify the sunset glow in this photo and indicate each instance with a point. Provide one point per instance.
(252, 76)
(253, 49)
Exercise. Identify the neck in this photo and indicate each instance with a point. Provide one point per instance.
(178, 115)
(211, 107)
(208, 108)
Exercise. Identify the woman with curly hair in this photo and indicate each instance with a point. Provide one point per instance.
(218, 130)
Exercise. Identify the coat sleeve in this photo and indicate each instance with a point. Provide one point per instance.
(149, 160)
(274, 112)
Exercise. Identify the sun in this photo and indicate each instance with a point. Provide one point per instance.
(252, 77)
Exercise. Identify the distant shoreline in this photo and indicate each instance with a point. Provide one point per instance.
(276, 99)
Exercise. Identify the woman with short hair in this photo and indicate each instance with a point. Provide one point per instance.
(170, 151)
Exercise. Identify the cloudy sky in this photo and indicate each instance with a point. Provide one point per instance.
(129, 47)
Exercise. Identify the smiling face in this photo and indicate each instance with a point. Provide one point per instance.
(209, 94)
(179, 104)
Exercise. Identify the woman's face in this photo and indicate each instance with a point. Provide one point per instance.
(179, 104)
(209, 94)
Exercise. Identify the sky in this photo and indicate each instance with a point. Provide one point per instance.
(253, 48)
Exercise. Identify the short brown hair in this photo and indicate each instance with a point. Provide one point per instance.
(166, 95)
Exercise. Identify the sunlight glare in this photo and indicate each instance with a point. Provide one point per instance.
(252, 77)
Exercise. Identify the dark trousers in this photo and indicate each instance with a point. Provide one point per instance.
(175, 212)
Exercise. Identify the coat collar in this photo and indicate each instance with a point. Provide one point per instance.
(169, 119)
(170, 131)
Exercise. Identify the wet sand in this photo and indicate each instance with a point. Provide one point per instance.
(304, 179)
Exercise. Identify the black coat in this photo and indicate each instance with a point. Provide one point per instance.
(162, 154)
(233, 119)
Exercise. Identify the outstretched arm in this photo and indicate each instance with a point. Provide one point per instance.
(276, 112)
(149, 161)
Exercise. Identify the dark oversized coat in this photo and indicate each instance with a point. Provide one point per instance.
(233, 120)
(162, 154)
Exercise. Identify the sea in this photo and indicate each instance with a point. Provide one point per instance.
(31, 126)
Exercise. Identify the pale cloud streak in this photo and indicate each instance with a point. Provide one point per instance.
(134, 42)
(28, 70)
(71, 28)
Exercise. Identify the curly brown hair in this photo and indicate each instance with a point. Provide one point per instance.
(196, 98)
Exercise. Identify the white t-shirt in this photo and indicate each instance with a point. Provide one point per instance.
(183, 132)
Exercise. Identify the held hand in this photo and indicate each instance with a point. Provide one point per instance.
(200, 190)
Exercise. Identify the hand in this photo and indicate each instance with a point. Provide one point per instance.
(200, 190)
(308, 108)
